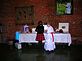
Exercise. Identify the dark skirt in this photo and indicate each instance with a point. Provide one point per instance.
(40, 37)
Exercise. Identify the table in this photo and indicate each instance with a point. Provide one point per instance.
(63, 38)
(58, 38)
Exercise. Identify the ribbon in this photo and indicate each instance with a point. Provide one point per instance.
(52, 33)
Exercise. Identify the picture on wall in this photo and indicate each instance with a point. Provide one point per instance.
(64, 7)
(25, 15)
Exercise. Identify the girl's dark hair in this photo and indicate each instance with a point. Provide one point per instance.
(40, 22)
(45, 23)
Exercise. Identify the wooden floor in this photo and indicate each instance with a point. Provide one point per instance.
(35, 53)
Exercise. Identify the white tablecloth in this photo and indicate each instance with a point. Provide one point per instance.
(58, 38)
(63, 38)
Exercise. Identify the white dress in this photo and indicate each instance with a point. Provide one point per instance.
(49, 44)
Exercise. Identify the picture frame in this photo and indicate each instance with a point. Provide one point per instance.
(25, 15)
(64, 27)
(64, 7)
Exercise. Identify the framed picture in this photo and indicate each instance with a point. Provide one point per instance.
(64, 7)
(24, 15)
(64, 27)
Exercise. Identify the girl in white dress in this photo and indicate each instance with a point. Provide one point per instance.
(49, 44)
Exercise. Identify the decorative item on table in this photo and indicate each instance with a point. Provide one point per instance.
(64, 27)
(59, 31)
(33, 30)
(27, 29)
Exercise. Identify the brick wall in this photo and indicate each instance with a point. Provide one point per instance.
(44, 10)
